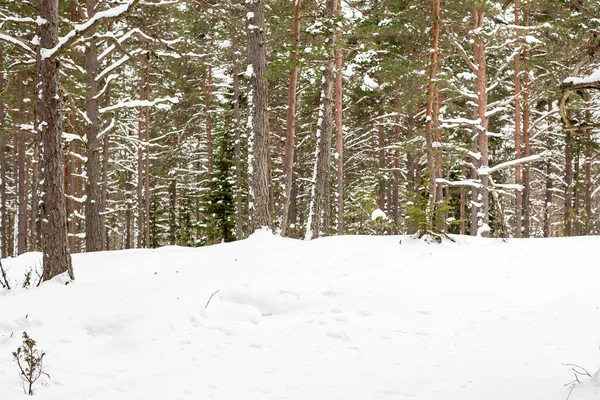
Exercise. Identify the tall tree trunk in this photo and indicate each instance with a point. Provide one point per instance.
(207, 106)
(94, 227)
(3, 165)
(56, 255)
(290, 137)
(143, 220)
(3, 215)
(588, 186)
(474, 176)
(147, 169)
(396, 185)
(429, 112)
(576, 190)
(381, 159)
(339, 126)
(568, 184)
(320, 180)
(549, 187)
(34, 221)
(526, 120)
(239, 233)
(518, 94)
(105, 158)
(258, 151)
(482, 100)
(21, 172)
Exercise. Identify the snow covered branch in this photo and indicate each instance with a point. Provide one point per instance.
(81, 30)
(17, 42)
(507, 164)
(139, 103)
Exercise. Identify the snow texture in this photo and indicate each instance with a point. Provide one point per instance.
(349, 318)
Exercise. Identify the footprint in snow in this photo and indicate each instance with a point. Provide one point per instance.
(339, 335)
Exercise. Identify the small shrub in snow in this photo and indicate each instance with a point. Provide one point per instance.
(30, 362)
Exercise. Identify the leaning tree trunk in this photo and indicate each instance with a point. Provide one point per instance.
(258, 151)
(319, 208)
(94, 226)
(56, 257)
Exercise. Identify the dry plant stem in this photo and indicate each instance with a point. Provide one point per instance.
(211, 296)
(4, 281)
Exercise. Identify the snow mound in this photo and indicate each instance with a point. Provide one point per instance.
(350, 317)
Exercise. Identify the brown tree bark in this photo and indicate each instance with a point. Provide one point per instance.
(576, 191)
(207, 106)
(339, 126)
(526, 121)
(56, 257)
(319, 208)
(34, 221)
(381, 160)
(588, 186)
(518, 94)
(396, 175)
(239, 208)
(21, 173)
(94, 226)
(482, 102)
(568, 184)
(105, 159)
(549, 188)
(259, 157)
(429, 111)
(290, 138)
(3, 215)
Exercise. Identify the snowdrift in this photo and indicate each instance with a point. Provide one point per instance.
(335, 318)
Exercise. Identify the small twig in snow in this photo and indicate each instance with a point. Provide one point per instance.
(4, 281)
(211, 296)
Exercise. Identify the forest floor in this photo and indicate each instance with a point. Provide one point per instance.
(350, 318)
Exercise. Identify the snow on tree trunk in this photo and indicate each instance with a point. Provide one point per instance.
(56, 257)
(238, 141)
(483, 201)
(319, 207)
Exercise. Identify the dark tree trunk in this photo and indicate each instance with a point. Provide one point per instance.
(34, 221)
(548, 201)
(288, 159)
(54, 222)
(239, 208)
(339, 125)
(526, 121)
(260, 206)
(319, 208)
(518, 94)
(207, 106)
(94, 226)
(568, 184)
(21, 173)
(3, 215)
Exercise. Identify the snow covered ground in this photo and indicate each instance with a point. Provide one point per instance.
(337, 318)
